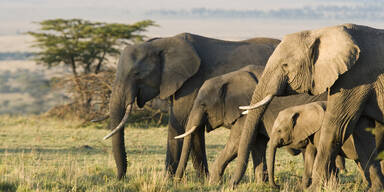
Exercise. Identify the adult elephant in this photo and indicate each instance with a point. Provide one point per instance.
(347, 61)
(216, 105)
(175, 68)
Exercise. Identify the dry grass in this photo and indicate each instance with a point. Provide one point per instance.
(55, 155)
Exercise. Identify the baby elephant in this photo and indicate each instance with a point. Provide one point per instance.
(298, 128)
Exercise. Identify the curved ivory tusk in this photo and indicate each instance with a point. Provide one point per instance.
(245, 112)
(100, 119)
(121, 125)
(266, 100)
(186, 133)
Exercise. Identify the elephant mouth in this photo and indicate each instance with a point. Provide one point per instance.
(140, 101)
(282, 143)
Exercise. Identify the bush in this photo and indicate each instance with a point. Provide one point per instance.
(90, 94)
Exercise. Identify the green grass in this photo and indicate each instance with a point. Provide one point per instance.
(40, 154)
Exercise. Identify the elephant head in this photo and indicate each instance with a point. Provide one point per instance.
(308, 61)
(217, 105)
(292, 127)
(156, 67)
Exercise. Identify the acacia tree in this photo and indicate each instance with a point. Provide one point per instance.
(83, 44)
(85, 47)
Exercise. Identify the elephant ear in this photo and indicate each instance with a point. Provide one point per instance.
(213, 92)
(307, 121)
(239, 92)
(180, 62)
(333, 52)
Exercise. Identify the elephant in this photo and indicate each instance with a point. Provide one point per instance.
(174, 68)
(298, 128)
(345, 61)
(216, 105)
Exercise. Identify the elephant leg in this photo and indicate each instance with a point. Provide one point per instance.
(259, 160)
(198, 148)
(176, 124)
(227, 154)
(309, 157)
(382, 166)
(173, 148)
(364, 174)
(179, 110)
(340, 163)
(343, 110)
(379, 137)
(366, 152)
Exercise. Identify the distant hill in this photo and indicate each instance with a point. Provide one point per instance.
(369, 11)
(4, 56)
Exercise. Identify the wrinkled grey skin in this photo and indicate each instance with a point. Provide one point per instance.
(174, 68)
(158, 104)
(298, 128)
(347, 61)
(216, 105)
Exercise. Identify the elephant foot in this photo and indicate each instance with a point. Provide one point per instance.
(169, 174)
(314, 186)
(376, 187)
(214, 175)
(274, 185)
(200, 174)
(214, 178)
(306, 182)
(178, 176)
(261, 178)
(177, 179)
(232, 185)
(342, 171)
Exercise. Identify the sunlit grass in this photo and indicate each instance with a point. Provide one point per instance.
(40, 154)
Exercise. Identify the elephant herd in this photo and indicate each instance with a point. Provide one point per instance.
(314, 92)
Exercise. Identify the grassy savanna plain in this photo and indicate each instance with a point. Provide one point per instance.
(45, 154)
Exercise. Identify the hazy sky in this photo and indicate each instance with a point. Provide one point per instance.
(16, 16)
(167, 4)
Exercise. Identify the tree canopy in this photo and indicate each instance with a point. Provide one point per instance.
(83, 44)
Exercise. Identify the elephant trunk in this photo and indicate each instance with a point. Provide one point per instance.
(248, 134)
(122, 122)
(271, 163)
(194, 122)
(187, 146)
(271, 84)
(120, 105)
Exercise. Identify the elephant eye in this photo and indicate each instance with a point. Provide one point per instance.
(285, 65)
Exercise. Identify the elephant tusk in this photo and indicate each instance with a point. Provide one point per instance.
(245, 112)
(121, 125)
(186, 133)
(265, 101)
(100, 119)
